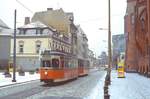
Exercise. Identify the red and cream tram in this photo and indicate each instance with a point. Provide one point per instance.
(57, 67)
(83, 67)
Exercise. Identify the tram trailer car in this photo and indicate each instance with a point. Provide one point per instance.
(83, 67)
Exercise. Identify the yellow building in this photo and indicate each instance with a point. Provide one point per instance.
(34, 37)
(63, 22)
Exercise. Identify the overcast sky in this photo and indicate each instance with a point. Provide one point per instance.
(90, 14)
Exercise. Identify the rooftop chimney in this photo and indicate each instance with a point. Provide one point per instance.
(49, 9)
(27, 20)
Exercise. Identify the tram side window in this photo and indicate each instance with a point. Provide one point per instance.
(88, 64)
(55, 63)
(80, 63)
(46, 64)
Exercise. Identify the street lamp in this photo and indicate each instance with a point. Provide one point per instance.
(14, 56)
(109, 36)
(109, 41)
(109, 44)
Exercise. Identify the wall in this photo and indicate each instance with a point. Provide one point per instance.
(4, 49)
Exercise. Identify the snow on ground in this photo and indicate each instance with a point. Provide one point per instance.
(87, 87)
(133, 86)
(28, 77)
(94, 86)
(97, 91)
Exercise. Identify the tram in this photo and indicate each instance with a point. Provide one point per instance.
(57, 67)
(83, 67)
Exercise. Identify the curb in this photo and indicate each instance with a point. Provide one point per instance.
(9, 85)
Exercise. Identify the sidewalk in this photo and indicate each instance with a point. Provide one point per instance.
(19, 79)
(134, 86)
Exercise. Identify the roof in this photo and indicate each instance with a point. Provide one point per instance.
(3, 25)
(34, 25)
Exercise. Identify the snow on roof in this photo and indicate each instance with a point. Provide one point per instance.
(34, 25)
(6, 32)
(3, 25)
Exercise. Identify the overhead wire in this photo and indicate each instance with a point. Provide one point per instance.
(24, 6)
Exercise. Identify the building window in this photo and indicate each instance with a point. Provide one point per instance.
(132, 19)
(21, 46)
(38, 31)
(38, 46)
(142, 24)
(21, 31)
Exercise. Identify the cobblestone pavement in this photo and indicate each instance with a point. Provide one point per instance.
(78, 89)
(133, 86)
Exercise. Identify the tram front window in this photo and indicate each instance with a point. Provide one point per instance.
(55, 63)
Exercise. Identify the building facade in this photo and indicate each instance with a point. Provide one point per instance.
(5, 37)
(51, 29)
(34, 37)
(137, 31)
(62, 21)
(91, 57)
(82, 44)
(82, 48)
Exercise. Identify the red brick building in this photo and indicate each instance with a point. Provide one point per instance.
(137, 31)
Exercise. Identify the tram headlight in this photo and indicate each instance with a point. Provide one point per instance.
(45, 73)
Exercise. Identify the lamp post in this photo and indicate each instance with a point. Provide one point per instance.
(14, 56)
(109, 41)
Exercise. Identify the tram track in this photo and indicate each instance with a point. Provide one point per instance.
(22, 90)
(27, 93)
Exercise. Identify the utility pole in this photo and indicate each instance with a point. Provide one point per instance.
(109, 39)
(14, 56)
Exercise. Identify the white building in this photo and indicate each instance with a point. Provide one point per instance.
(5, 36)
(82, 46)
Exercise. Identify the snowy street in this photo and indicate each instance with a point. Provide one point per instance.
(133, 86)
(88, 87)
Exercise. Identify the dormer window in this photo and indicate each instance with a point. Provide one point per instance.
(21, 31)
(38, 31)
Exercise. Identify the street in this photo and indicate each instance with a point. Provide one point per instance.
(76, 89)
